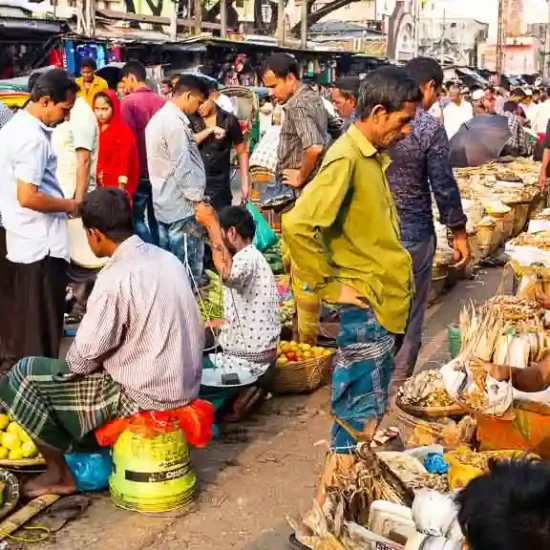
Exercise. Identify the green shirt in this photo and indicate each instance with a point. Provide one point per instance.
(344, 229)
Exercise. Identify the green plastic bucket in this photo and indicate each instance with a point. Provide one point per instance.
(454, 340)
(152, 473)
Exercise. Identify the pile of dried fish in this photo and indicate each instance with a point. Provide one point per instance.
(514, 308)
(535, 240)
(425, 389)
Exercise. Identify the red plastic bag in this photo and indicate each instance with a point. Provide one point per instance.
(196, 420)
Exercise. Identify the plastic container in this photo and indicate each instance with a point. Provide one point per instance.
(152, 471)
(454, 339)
(393, 521)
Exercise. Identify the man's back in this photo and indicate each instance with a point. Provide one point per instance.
(153, 346)
(137, 109)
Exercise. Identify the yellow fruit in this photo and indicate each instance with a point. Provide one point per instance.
(327, 352)
(23, 435)
(307, 355)
(282, 361)
(28, 449)
(10, 441)
(3, 453)
(4, 421)
(13, 428)
(305, 347)
(16, 454)
(317, 352)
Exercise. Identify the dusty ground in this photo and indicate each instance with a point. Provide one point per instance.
(261, 471)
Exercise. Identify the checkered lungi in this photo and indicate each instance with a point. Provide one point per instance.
(57, 407)
(362, 373)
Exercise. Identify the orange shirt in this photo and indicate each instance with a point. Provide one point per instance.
(97, 85)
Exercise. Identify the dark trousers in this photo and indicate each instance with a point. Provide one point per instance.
(38, 307)
(405, 360)
(142, 203)
(6, 290)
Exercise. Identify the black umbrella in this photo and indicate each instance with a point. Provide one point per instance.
(479, 140)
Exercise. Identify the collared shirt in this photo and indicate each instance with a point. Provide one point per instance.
(216, 153)
(455, 115)
(518, 145)
(305, 124)
(26, 154)
(79, 132)
(344, 229)
(137, 109)
(5, 114)
(420, 166)
(98, 84)
(542, 117)
(176, 169)
(143, 327)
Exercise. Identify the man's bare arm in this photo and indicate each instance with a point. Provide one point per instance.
(30, 197)
(310, 157)
(83, 169)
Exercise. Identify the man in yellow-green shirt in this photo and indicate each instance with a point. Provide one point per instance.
(343, 234)
(89, 83)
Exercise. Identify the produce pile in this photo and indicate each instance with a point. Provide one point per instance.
(293, 352)
(425, 389)
(15, 444)
(536, 240)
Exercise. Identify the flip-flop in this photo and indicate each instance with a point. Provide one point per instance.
(63, 511)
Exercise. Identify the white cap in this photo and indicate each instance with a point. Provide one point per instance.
(478, 94)
(528, 92)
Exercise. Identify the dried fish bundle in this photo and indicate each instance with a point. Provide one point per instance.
(535, 240)
(515, 308)
(425, 389)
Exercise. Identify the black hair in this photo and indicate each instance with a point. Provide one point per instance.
(56, 84)
(88, 62)
(424, 70)
(349, 86)
(510, 107)
(518, 93)
(136, 69)
(191, 83)
(104, 96)
(32, 80)
(282, 64)
(390, 87)
(108, 210)
(507, 508)
(239, 218)
(167, 82)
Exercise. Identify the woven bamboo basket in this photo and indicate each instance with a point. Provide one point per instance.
(521, 213)
(301, 377)
(432, 412)
(505, 225)
(260, 176)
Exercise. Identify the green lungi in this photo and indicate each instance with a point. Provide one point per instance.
(57, 407)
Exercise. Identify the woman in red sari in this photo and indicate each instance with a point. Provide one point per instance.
(117, 161)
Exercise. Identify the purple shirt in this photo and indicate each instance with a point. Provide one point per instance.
(137, 109)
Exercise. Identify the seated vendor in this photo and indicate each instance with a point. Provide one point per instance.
(252, 326)
(139, 347)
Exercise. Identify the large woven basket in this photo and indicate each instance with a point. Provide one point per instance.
(505, 225)
(521, 213)
(260, 175)
(301, 377)
(488, 239)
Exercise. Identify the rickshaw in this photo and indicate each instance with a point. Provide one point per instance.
(13, 92)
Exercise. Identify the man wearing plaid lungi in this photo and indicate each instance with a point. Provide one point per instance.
(138, 348)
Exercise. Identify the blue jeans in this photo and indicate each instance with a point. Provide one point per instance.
(185, 239)
(422, 255)
(143, 203)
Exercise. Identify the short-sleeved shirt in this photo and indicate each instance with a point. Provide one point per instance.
(88, 94)
(79, 132)
(251, 305)
(216, 153)
(26, 154)
(305, 125)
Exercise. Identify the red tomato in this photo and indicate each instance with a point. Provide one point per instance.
(291, 356)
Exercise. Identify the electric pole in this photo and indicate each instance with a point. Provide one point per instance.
(174, 21)
(198, 16)
(223, 18)
(303, 26)
(281, 22)
(501, 39)
(546, 68)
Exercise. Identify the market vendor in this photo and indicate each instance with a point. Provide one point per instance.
(139, 347)
(250, 334)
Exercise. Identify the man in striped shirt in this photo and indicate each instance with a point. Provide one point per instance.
(177, 173)
(139, 346)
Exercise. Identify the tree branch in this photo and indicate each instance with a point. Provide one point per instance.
(313, 18)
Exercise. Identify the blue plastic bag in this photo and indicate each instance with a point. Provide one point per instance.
(265, 237)
(91, 471)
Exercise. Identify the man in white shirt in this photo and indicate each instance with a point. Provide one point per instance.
(76, 143)
(34, 214)
(177, 174)
(456, 112)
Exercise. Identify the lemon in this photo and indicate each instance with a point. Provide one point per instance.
(10, 441)
(13, 428)
(23, 435)
(16, 454)
(4, 421)
(3, 453)
(28, 449)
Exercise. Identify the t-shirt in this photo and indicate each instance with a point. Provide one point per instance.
(79, 132)
(454, 116)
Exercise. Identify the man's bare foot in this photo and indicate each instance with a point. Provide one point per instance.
(51, 482)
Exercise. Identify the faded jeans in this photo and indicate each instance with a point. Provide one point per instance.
(422, 255)
(142, 202)
(185, 239)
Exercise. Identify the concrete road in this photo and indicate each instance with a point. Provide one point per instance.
(258, 473)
